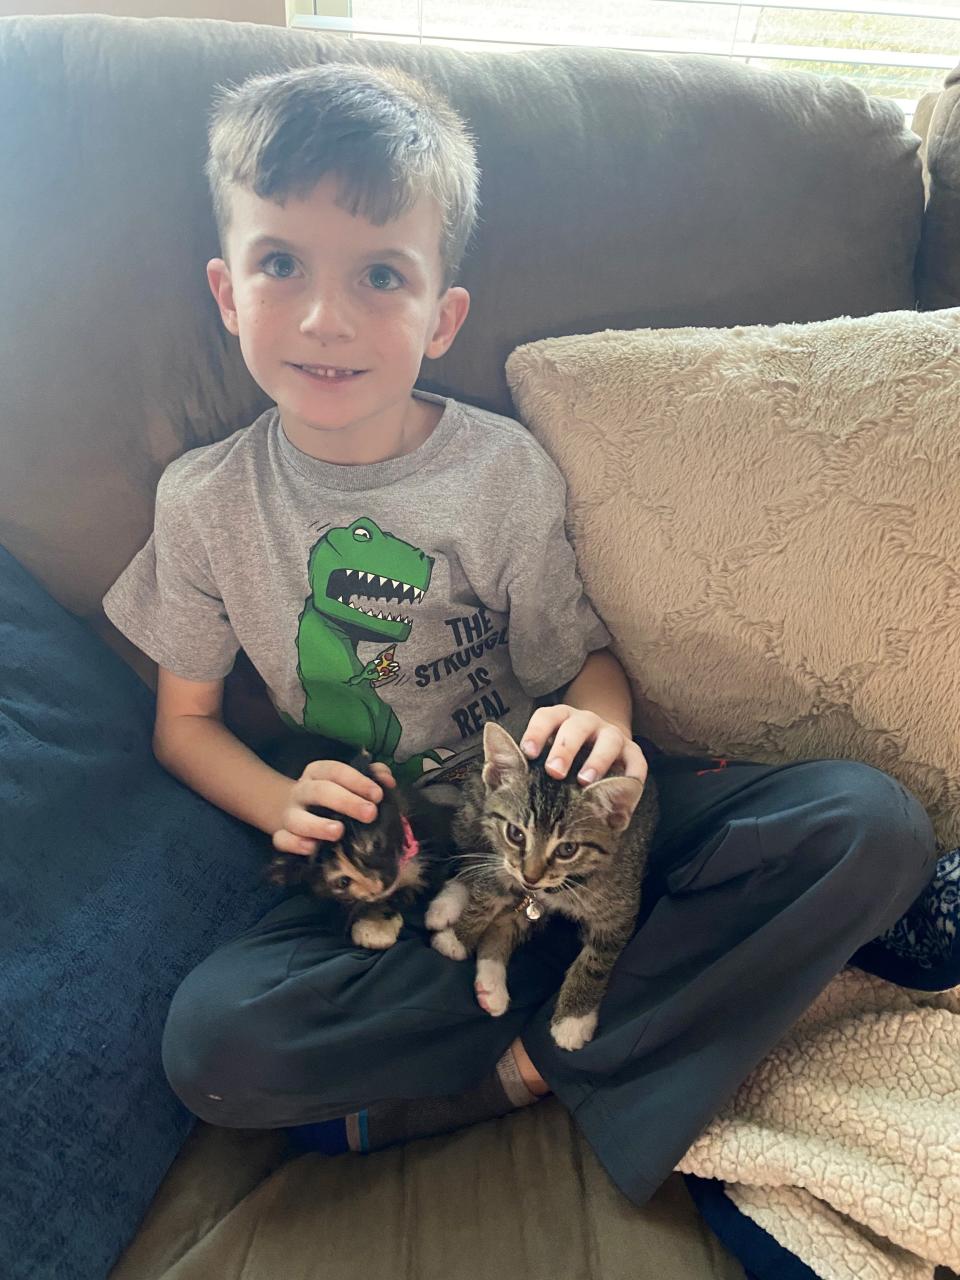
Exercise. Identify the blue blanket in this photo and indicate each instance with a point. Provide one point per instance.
(116, 880)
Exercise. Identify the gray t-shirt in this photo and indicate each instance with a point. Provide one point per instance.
(396, 605)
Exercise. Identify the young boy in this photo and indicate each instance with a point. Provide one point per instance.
(395, 566)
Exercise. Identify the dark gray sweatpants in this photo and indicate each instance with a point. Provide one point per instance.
(763, 882)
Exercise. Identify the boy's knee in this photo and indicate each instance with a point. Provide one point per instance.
(196, 1050)
(877, 823)
(218, 1056)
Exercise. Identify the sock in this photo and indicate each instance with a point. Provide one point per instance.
(508, 1073)
(329, 1136)
(387, 1123)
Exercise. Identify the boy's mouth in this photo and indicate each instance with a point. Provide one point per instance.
(328, 372)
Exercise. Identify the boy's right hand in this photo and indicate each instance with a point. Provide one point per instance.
(332, 785)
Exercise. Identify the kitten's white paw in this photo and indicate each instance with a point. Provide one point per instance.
(376, 935)
(447, 907)
(449, 945)
(573, 1033)
(490, 986)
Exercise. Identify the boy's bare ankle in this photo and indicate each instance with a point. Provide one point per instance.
(528, 1072)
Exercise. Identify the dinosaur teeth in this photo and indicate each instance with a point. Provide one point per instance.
(363, 586)
(354, 602)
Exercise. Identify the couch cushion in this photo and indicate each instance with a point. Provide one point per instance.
(116, 880)
(766, 519)
(522, 1197)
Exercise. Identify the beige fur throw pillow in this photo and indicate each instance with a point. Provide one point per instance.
(768, 520)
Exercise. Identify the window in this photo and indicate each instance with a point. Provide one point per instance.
(897, 49)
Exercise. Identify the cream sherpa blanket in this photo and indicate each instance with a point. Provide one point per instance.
(844, 1144)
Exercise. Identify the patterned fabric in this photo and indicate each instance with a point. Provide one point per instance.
(927, 935)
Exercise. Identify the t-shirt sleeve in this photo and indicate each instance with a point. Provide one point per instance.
(167, 602)
(553, 625)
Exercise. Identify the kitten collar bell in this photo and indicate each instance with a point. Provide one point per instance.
(530, 906)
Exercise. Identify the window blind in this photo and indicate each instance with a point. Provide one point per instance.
(898, 49)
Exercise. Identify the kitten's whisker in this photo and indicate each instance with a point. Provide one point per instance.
(474, 866)
(575, 894)
(475, 874)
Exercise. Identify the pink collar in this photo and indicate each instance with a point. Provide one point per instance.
(411, 845)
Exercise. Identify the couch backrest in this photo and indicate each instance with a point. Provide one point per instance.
(618, 191)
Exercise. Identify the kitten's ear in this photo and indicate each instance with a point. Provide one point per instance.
(615, 799)
(504, 759)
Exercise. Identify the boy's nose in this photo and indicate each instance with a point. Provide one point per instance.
(327, 318)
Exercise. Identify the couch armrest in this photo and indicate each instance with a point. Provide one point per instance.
(938, 263)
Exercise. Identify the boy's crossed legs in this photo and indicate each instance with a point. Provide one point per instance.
(763, 882)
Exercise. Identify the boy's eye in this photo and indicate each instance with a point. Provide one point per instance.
(279, 265)
(383, 278)
(515, 834)
(567, 850)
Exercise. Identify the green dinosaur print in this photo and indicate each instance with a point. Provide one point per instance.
(364, 584)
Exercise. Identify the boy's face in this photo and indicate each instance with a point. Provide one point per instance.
(335, 315)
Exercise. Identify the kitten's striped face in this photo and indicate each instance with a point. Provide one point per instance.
(540, 855)
(549, 833)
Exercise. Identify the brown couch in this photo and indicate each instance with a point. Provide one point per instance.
(619, 191)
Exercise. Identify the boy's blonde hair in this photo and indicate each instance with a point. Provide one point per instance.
(386, 137)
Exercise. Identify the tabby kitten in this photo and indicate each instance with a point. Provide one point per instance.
(534, 845)
(376, 868)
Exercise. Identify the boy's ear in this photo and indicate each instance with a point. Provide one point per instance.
(221, 286)
(454, 306)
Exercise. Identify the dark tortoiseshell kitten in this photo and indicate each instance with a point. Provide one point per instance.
(531, 845)
(375, 869)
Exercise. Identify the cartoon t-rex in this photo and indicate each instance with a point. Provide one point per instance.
(363, 584)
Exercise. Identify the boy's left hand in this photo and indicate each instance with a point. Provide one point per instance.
(570, 728)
